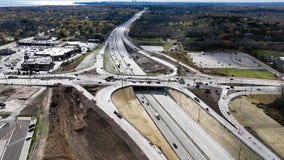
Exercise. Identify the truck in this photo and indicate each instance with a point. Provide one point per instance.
(157, 116)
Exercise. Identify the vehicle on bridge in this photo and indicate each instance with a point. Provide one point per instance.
(117, 114)
(157, 116)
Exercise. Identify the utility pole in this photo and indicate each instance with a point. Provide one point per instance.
(239, 155)
(198, 114)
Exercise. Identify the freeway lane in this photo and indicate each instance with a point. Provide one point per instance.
(13, 151)
(185, 147)
(205, 142)
(164, 127)
(195, 138)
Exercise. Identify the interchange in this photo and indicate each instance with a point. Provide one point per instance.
(122, 59)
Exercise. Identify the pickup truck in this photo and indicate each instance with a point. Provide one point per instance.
(157, 116)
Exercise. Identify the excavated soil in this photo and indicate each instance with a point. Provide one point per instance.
(148, 65)
(80, 130)
(224, 137)
(258, 122)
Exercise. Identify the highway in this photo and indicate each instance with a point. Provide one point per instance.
(191, 140)
(205, 142)
(16, 141)
(184, 147)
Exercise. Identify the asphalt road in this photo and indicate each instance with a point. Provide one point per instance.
(130, 78)
(14, 148)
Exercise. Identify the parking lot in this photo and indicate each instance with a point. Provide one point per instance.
(224, 60)
(11, 63)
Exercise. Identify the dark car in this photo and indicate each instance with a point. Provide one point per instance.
(196, 99)
(175, 146)
(32, 126)
(117, 114)
(31, 129)
(29, 138)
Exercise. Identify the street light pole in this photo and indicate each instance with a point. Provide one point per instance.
(198, 114)
(239, 155)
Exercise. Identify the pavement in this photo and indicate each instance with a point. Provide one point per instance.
(132, 75)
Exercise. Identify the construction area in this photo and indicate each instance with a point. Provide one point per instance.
(73, 127)
(247, 112)
(130, 108)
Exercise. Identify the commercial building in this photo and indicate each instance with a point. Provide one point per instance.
(59, 53)
(36, 43)
(37, 64)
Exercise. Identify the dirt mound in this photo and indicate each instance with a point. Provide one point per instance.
(80, 130)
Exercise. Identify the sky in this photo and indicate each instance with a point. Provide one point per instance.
(69, 2)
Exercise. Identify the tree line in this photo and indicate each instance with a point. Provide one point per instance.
(64, 22)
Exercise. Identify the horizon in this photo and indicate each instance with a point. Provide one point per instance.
(14, 3)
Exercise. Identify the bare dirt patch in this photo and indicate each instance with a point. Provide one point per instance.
(224, 137)
(80, 130)
(148, 66)
(254, 118)
(6, 91)
(127, 104)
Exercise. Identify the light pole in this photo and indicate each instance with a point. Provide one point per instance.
(198, 114)
(239, 155)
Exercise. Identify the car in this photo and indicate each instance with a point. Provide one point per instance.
(117, 114)
(175, 146)
(29, 138)
(32, 126)
(31, 129)
(196, 99)
(258, 89)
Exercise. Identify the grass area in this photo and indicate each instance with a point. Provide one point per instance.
(183, 58)
(249, 73)
(41, 128)
(5, 116)
(108, 64)
(71, 64)
(33, 140)
(152, 42)
(267, 53)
